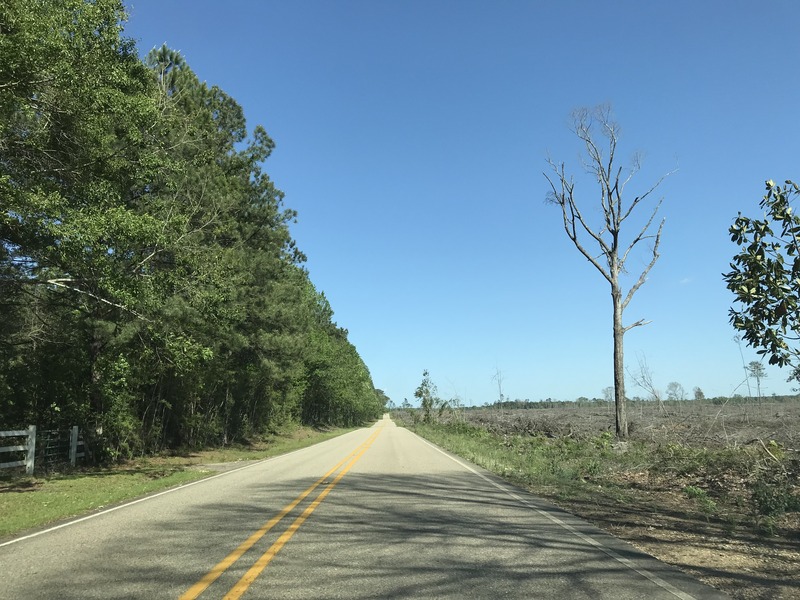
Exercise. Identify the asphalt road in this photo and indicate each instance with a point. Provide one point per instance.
(377, 513)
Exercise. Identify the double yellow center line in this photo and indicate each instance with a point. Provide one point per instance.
(254, 571)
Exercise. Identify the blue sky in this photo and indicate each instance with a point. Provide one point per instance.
(412, 138)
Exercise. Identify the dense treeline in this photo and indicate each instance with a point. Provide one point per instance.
(150, 289)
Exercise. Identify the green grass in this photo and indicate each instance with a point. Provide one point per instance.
(749, 485)
(530, 460)
(31, 502)
(288, 440)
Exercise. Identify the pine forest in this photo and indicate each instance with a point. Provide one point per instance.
(150, 288)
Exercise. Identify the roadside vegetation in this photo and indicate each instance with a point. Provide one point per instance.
(752, 484)
(31, 502)
(712, 486)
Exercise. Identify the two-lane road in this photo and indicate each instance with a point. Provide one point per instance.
(377, 513)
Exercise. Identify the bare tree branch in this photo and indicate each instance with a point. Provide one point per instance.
(638, 323)
(638, 199)
(641, 236)
(62, 283)
(570, 213)
(643, 276)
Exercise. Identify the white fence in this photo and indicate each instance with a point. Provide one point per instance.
(50, 450)
(29, 448)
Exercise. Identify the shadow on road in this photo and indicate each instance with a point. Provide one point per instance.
(378, 536)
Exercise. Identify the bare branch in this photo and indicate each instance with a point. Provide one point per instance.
(642, 233)
(62, 283)
(643, 276)
(638, 199)
(645, 381)
(570, 213)
(11, 84)
(638, 323)
(635, 166)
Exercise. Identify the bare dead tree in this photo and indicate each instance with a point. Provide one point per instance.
(591, 126)
(644, 379)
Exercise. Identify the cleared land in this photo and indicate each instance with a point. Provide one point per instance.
(709, 487)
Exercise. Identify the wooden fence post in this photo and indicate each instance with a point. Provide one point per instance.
(73, 445)
(30, 454)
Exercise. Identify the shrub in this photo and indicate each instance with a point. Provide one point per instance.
(700, 496)
(773, 495)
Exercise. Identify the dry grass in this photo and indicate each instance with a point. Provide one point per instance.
(710, 488)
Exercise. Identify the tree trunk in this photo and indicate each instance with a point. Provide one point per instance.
(619, 365)
(95, 376)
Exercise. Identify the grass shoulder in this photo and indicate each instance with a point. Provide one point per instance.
(30, 502)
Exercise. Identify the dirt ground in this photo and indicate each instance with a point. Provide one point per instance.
(654, 514)
(743, 564)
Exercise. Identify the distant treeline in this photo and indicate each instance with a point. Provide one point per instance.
(150, 290)
(589, 402)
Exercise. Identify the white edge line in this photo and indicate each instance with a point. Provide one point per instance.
(643, 572)
(148, 497)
